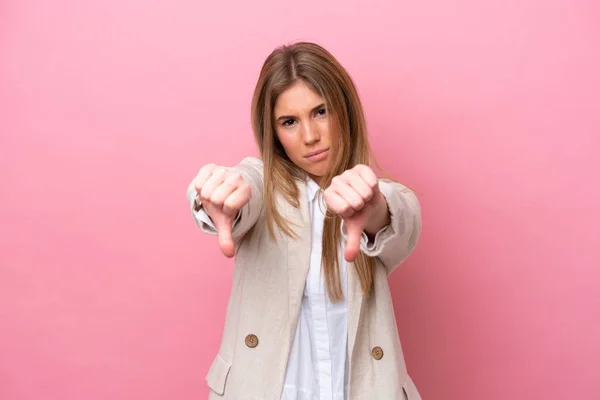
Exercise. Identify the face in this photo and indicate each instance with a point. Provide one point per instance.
(302, 126)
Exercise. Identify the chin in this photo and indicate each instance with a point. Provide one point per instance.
(316, 172)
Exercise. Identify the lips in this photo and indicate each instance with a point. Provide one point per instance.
(314, 153)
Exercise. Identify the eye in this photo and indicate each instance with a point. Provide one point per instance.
(289, 122)
(321, 112)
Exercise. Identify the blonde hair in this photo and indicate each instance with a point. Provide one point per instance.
(317, 68)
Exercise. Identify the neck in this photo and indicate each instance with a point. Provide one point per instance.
(318, 180)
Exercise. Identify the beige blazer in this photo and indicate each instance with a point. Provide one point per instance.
(266, 296)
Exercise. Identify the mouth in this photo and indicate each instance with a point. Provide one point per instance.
(316, 153)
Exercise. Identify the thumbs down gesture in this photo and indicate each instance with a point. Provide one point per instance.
(355, 197)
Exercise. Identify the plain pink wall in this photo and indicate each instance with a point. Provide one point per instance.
(107, 109)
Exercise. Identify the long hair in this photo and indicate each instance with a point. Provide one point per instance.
(319, 70)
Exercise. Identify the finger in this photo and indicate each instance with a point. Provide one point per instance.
(370, 179)
(361, 187)
(237, 199)
(215, 180)
(367, 174)
(224, 190)
(337, 204)
(354, 232)
(350, 195)
(203, 175)
(226, 244)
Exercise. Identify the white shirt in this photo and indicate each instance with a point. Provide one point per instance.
(317, 366)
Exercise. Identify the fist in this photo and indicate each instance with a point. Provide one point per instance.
(222, 193)
(354, 196)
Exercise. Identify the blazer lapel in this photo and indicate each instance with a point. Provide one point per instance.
(298, 256)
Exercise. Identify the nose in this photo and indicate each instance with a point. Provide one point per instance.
(310, 134)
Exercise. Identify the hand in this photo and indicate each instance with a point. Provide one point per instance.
(355, 196)
(222, 193)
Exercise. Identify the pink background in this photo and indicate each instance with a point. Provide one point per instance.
(490, 109)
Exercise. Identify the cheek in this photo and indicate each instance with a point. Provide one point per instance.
(325, 130)
(289, 143)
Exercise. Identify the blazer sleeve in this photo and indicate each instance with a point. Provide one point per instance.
(394, 243)
(251, 170)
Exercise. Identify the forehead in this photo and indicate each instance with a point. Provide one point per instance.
(298, 98)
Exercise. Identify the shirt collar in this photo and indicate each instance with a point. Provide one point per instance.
(312, 188)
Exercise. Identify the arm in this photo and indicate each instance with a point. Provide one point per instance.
(395, 241)
(251, 170)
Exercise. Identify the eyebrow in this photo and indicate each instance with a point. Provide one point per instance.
(286, 117)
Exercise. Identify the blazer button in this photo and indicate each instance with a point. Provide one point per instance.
(377, 353)
(251, 341)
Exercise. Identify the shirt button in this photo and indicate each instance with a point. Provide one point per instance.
(251, 341)
(377, 353)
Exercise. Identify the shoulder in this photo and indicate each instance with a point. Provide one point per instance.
(249, 165)
(397, 192)
(252, 161)
(390, 185)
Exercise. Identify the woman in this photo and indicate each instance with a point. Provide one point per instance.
(315, 235)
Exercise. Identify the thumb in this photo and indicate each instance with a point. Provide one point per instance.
(223, 225)
(354, 231)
